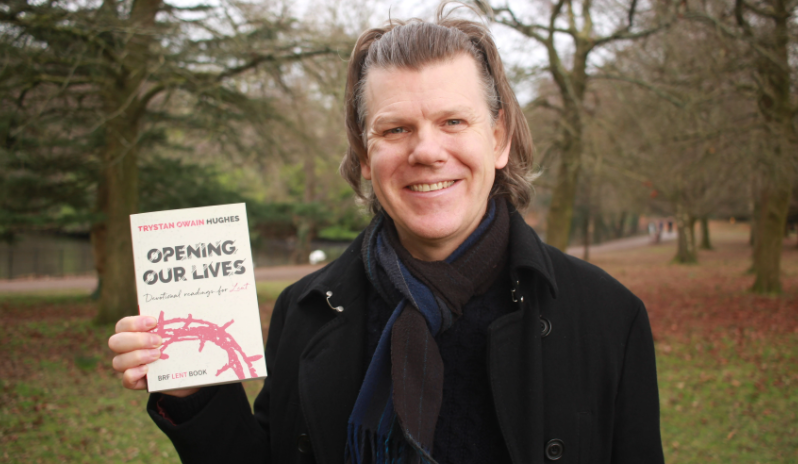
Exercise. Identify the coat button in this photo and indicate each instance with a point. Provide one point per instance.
(545, 327)
(303, 444)
(555, 449)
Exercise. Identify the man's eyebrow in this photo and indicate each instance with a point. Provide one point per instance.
(456, 111)
(384, 119)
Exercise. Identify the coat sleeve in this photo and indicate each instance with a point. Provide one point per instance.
(636, 434)
(225, 429)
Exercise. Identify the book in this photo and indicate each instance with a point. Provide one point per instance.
(195, 275)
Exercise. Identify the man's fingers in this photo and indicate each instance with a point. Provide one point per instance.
(130, 341)
(135, 359)
(134, 378)
(136, 324)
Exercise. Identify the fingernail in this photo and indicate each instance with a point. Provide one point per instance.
(155, 353)
(155, 340)
(150, 322)
(144, 369)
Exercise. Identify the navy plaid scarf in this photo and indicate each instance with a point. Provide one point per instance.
(396, 411)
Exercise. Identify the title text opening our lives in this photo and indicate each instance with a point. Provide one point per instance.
(197, 251)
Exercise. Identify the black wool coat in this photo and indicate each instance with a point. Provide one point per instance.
(572, 371)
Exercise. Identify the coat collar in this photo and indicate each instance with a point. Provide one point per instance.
(337, 275)
(529, 252)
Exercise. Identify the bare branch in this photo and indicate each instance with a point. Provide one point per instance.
(272, 58)
(747, 37)
(571, 17)
(528, 30)
(661, 93)
(767, 12)
(625, 34)
(738, 15)
(542, 102)
(553, 18)
(631, 16)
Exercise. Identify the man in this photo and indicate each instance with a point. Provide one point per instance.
(447, 332)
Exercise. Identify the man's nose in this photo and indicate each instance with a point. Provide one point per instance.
(428, 148)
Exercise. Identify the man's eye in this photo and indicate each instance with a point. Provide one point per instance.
(454, 122)
(395, 130)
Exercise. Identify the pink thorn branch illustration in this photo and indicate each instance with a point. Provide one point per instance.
(190, 329)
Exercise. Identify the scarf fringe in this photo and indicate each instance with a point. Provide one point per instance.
(364, 446)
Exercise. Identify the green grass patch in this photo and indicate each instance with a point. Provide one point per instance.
(57, 297)
(724, 401)
(269, 291)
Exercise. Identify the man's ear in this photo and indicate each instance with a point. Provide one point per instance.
(365, 169)
(500, 148)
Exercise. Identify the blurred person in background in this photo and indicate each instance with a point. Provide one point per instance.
(447, 332)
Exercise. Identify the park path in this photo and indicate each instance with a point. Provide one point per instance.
(278, 273)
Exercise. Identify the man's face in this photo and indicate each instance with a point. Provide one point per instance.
(432, 152)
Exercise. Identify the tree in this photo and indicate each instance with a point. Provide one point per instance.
(573, 21)
(680, 130)
(108, 75)
(769, 30)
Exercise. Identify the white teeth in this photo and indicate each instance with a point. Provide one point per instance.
(431, 187)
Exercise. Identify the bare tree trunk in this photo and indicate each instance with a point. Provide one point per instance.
(124, 113)
(118, 292)
(773, 73)
(306, 224)
(685, 253)
(706, 244)
(561, 211)
(621, 227)
(98, 234)
(754, 208)
(774, 204)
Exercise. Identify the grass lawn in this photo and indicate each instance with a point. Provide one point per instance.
(727, 360)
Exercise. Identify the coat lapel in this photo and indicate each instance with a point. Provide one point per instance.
(332, 366)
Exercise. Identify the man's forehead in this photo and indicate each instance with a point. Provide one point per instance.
(440, 82)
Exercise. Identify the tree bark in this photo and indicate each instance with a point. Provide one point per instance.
(621, 225)
(118, 292)
(561, 210)
(685, 253)
(706, 244)
(120, 164)
(98, 234)
(773, 206)
(306, 222)
(587, 226)
(776, 188)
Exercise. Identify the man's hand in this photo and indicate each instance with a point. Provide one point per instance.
(135, 348)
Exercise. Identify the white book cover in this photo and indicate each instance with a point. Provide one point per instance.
(194, 274)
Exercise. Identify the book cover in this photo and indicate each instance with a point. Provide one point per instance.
(194, 274)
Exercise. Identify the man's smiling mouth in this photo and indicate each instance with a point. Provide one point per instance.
(431, 187)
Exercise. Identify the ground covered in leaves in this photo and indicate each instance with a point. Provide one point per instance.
(727, 361)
